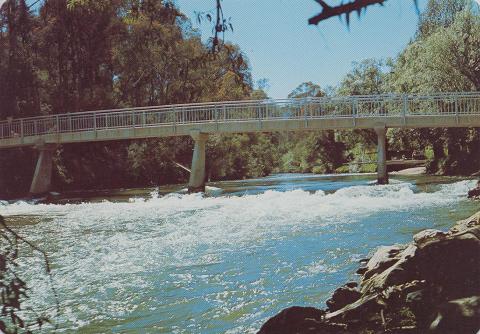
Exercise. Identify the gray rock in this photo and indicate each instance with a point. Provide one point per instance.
(383, 258)
(428, 235)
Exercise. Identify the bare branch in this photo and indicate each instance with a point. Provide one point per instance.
(347, 9)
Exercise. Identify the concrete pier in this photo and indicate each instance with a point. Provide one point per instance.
(197, 174)
(382, 174)
(42, 178)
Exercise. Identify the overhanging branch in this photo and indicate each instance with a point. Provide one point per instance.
(347, 9)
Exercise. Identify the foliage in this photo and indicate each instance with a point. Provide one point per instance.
(307, 89)
(445, 56)
(13, 290)
(315, 151)
(439, 14)
(366, 77)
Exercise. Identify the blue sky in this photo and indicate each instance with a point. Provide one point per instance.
(283, 48)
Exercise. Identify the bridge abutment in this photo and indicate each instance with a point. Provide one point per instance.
(197, 174)
(382, 174)
(42, 178)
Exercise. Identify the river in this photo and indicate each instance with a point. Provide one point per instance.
(157, 261)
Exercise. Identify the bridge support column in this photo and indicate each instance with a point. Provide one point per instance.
(42, 179)
(197, 174)
(382, 174)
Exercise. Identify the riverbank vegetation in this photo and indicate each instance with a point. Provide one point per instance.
(69, 56)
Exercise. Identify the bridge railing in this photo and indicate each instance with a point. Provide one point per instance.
(387, 105)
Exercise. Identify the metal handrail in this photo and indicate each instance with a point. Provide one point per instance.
(358, 106)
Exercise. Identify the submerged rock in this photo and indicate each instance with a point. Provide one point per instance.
(430, 285)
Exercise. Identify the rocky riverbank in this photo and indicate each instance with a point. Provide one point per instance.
(431, 285)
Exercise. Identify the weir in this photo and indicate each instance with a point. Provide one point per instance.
(42, 178)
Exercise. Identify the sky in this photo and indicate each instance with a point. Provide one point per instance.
(283, 48)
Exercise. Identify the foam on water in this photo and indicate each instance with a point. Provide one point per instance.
(179, 225)
(103, 251)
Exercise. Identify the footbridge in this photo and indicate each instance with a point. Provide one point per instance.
(198, 120)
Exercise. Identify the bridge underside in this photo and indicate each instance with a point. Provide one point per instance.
(199, 132)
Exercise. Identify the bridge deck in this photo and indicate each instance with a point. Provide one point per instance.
(409, 111)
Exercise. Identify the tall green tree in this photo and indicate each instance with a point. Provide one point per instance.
(367, 77)
(444, 57)
(19, 96)
(75, 44)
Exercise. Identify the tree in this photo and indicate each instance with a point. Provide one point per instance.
(439, 14)
(317, 151)
(366, 77)
(306, 89)
(18, 80)
(74, 46)
(444, 57)
(19, 88)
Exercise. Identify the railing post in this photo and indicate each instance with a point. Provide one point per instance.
(95, 121)
(259, 118)
(35, 128)
(224, 113)
(132, 115)
(70, 122)
(456, 109)
(58, 123)
(354, 111)
(22, 131)
(305, 113)
(405, 108)
(174, 120)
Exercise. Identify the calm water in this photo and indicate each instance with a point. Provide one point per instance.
(149, 261)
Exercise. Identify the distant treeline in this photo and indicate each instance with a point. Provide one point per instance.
(75, 55)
